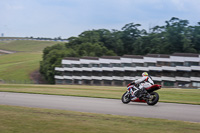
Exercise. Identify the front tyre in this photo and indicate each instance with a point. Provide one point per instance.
(126, 97)
(154, 97)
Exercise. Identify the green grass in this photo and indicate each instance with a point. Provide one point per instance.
(18, 67)
(189, 96)
(35, 120)
(25, 45)
(180, 95)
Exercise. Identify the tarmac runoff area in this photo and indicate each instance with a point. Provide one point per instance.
(171, 111)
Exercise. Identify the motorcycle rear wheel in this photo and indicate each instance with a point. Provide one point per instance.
(153, 98)
(126, 98)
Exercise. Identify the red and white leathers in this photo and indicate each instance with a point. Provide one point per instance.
(144, 82)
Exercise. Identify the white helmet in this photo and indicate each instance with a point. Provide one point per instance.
(144, 74)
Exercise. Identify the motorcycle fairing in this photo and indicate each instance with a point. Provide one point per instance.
(153, 88)
(138, 100)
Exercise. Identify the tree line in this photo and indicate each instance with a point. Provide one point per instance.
(175, 36)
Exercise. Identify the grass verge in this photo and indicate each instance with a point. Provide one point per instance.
(188, 96)
(35, 120)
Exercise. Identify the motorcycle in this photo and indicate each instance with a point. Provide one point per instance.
(142, 95)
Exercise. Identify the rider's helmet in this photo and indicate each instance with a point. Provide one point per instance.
(144, 74)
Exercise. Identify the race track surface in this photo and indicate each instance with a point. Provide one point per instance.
(171, 111)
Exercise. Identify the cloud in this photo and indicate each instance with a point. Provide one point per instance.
(186, 5)
(71, 17)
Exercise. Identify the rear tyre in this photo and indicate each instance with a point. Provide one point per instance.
(154, 97)
(126, 98)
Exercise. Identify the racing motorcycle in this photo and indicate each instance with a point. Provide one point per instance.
(142, 95)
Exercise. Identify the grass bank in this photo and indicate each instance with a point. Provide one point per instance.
(25, 45)
(35, 120)
(17, 67)
(188, 96)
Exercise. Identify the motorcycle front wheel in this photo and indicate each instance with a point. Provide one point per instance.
(154, 97)
(126, 97)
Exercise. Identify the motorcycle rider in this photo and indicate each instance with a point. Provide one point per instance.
(140, 85)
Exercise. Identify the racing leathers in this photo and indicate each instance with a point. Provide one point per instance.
(144, 82)
(139, 84)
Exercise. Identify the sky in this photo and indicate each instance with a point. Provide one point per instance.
(67, 18)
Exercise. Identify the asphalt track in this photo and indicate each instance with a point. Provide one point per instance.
(171, 111)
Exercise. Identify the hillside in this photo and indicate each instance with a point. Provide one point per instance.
(18, 67)
(25, 45)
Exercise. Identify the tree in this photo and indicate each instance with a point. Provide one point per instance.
(195, 36)
(130, 34)
(52, 56)
(175, 36)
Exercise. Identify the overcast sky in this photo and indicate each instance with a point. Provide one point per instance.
(66, 18)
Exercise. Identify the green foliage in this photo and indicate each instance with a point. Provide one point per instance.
(175, 36)
(53, 55)
(51, 58)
